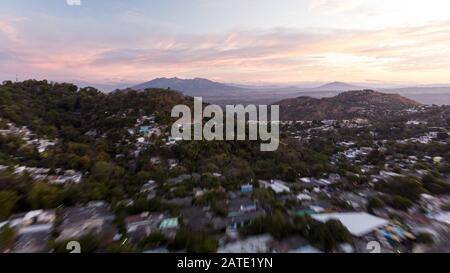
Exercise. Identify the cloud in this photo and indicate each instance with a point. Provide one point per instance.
(333, 6)
(278, 55)
(8, 30)
(73, 2)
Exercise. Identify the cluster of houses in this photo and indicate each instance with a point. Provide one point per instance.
(145, 130)
(36, 229)
(142, 225)
(305, 130)
(58, 176)
(423, 139)
(26, 135)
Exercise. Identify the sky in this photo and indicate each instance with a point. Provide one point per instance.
(241, 41)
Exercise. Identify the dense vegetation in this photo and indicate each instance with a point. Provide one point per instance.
(91, 129)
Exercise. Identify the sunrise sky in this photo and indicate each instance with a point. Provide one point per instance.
(241, 41)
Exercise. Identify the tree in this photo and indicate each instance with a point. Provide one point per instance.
(153, 240)
(44, 196)
(7, 237)
(401, 203)
(8, 200)
(277, 225)
(435, 184)
(374, 203)
(326, 236)
(407, 187)
(194, 242)
(105, 170)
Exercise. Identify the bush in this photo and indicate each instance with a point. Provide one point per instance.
(375, 203)
(277, 225)
(7, 237)
(425, 238)
(194, 242)
(154, 240)
(401, 203)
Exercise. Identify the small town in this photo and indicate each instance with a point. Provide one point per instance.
(224, 135)
(377, 192)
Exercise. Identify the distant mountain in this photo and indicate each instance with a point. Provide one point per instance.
(439, 95)
(230, 93)
(337, 86)
(191, 87)
(347, 105)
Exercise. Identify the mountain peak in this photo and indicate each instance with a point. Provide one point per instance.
(337, 86)
(191, 87)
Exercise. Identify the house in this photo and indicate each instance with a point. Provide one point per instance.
(304, 197)
(39, 217)
(34, 230)
(306, 180)
(430, 203)
(277, 186)
(288, 244)
(95, 218)
(248, 188)
(154, 132)
(155, 160)
(33, 239)
(355, 200)
(149, 187)
(172, 163)
(35, 217)
(254, 244)
(169, 227)
(437, 160)
(443, 217)
(144, 130)
(141, 225)
(241, 211)
(173, 140)
(293, 244)
(357, 223)
(179, 179)
(198, 218)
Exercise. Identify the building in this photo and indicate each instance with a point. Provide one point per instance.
(144, 130)
(33, 239)
(255, 244)
(248, 188)
(95, 218)
(241, 211)
(277, 186)
(142, 225)
(357, 223)
(169, 227)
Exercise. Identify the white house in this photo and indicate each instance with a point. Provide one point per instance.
(358, 223)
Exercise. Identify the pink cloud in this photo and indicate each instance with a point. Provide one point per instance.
(278, 55)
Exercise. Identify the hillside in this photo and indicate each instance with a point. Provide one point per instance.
(352, 104)
(57, 110)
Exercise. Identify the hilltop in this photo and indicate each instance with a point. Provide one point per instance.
(352, 104)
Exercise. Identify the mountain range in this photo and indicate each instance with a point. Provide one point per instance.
(228, 93)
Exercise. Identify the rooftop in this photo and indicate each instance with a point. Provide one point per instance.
(358, 223)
